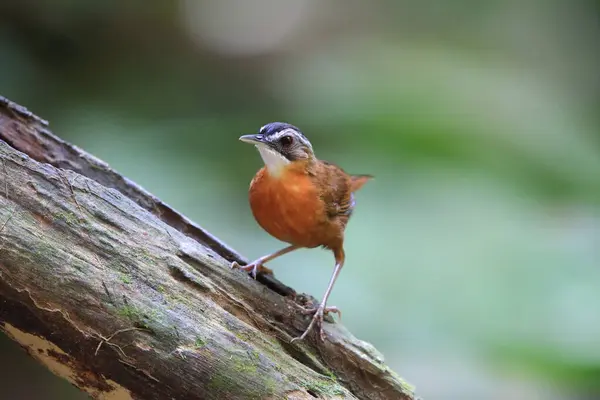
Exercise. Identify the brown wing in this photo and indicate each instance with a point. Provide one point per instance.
(336, 191)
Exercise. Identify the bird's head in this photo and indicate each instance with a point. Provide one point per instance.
(280, 144)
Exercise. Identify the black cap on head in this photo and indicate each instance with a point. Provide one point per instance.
(276, 127)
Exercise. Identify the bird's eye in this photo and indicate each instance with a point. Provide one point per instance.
(286, 141)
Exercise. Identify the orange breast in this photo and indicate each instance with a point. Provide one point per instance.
(288, 207)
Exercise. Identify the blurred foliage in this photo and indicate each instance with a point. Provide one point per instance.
(472, 258)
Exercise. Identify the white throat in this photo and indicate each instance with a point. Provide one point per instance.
(274, 161)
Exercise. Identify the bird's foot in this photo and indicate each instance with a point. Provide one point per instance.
(254, 268)
(317, 319)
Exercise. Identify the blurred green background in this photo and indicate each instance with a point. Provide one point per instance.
(473, 258)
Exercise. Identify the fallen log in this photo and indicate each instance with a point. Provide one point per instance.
(115, 291)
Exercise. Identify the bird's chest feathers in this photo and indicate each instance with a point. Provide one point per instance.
(287, 205)
(289, 192)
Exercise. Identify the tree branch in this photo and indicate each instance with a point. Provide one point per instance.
(115, 291)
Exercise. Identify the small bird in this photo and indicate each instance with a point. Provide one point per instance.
(301, 200)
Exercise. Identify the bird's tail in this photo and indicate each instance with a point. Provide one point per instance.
(357, 181)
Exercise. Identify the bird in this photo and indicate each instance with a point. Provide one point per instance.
(301, 200)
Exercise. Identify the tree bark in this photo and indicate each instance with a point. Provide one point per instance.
(115, 291)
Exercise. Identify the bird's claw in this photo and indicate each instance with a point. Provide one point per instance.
(326, 310)
(317, 319)
(253, 268)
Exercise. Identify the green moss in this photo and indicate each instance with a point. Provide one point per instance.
(68, 218)
(219, 382)
(199, 343)
(242, 335)
(152, 315)
(166, 296)
(324, 388)
(244, 366)
(176, 298)
(264, 385)
(129, 311)
(138, 317)
(331, 375)
(173, 297)
(126, 279)
(145, 256)
(270, 385)
(43, 251)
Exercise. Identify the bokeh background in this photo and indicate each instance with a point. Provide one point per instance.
(473, 258)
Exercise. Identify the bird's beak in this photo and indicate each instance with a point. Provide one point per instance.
(255, 139)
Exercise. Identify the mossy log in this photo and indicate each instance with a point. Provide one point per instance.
(115, 291)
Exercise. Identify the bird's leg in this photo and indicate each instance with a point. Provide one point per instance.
(319, 311)
(257, 265)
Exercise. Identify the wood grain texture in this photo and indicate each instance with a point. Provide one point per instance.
(115, 291)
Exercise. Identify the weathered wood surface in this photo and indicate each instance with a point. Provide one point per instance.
(118, 293)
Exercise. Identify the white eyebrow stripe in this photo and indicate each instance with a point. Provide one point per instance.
(284, 132)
